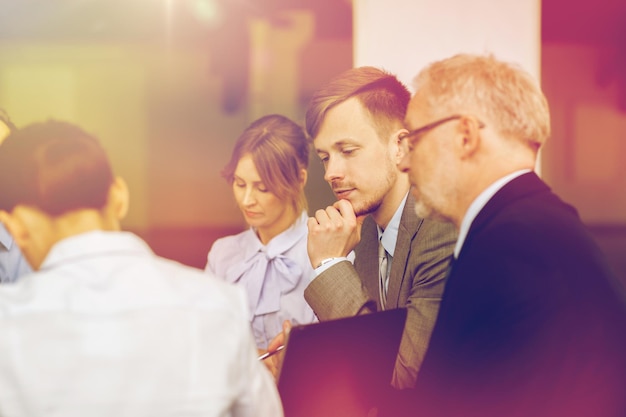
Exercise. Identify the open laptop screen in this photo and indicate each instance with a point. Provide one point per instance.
(340, 367)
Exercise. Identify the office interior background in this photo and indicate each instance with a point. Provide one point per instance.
(168, 86)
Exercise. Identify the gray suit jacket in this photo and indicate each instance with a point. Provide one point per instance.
(416, 281)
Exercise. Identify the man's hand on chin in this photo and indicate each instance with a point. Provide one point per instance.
(333, 232)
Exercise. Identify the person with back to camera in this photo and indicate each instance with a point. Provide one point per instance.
(268, 171)
(12, 262)
(104, 327)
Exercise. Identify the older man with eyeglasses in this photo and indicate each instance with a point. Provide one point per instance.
(532, 322)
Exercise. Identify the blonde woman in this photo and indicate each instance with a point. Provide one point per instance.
(268, 171)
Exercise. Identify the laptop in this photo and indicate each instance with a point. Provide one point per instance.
(340, 367)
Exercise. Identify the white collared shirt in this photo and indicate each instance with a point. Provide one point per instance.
(389, 236)
(478, 204)
(106, 328)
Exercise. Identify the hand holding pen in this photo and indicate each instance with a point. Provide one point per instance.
(272, 361)
(271, 353)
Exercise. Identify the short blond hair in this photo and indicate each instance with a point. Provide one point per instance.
(503, 92)
(382, 95)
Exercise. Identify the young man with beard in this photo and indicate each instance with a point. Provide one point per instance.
(355, 122)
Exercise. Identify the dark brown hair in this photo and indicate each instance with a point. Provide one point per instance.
(54, 166)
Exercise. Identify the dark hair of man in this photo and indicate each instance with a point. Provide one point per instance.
(279, 150)
(55, 167)
(381, 94)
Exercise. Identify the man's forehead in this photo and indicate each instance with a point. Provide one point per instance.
(348, 123)
(333, 144)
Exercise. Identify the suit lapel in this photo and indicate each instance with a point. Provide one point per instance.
(407, 231)
(366, 261)
(519, 187)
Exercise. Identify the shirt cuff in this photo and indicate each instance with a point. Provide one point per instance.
(327, 263)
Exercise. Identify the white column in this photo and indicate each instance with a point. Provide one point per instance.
(403, 36)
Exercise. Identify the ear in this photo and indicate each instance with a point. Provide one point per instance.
(470, 137)
(15, 227)
(397, 150)
(304, 175)
(4, 131)
(118, 201)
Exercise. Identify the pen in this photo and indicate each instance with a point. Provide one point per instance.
(268, 354)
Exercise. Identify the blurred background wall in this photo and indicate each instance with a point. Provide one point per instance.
(168, 85)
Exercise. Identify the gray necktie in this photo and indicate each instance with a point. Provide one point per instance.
(383, 271)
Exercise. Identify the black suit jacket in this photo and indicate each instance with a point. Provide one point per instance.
(532, 322)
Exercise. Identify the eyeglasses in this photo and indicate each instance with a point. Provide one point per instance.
(404, 138)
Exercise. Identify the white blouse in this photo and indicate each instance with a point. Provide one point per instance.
(274, 276)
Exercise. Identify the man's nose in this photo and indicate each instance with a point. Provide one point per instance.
(334, 170)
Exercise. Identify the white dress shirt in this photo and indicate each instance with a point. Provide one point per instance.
(106, 328)
(389, 236)
(274, 276)
(477, 205)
